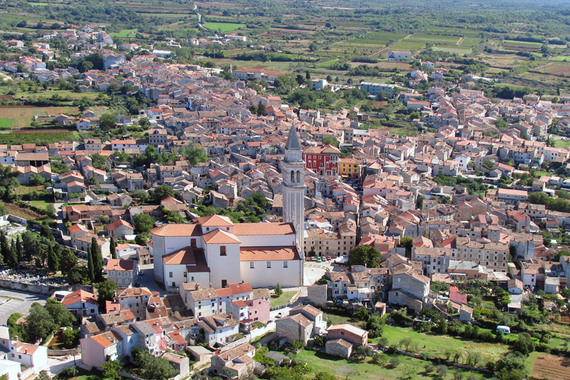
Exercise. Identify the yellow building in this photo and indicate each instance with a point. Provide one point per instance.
(349, 167)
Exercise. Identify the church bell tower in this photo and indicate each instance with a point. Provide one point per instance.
(293, 170)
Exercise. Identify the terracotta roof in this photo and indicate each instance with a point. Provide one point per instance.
(193, 258)
(220, 237)
(79, 296)
(120, 265)
(118, 223)
(244, 229)
(268, 253)
(233, 289)
(215, 221)
(25, 348)
(106, 339)
(177, 230)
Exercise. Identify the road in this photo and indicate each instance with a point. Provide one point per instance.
(147, 280)
(12, 301)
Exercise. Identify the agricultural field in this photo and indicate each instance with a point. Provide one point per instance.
(21, 116)
(438, 345)
(125, 33)
(40, 137)
(354, 369)
(555, 68)
(5, 123)
(551, 367)
(223, 26)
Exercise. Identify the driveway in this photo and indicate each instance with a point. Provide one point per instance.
(12, 301)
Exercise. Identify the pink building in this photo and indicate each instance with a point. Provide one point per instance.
(258, 310)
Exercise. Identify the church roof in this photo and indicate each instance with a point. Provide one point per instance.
(293, 142)
(220, 237)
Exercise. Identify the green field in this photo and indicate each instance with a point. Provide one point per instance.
(561, 143)
(5, 123)
(37, 137)
(562, 58)
(224, 27)
(355, 369)
(40, 204)
(125, 33)
(283, 298)
(437, 345)
(522, 44)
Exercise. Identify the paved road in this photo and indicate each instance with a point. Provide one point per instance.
(12, 301)
(147, 280)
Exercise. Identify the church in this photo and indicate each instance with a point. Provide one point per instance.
(215, 252)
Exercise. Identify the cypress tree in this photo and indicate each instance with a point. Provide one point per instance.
(113, 248)
(5, 249)
(90, 266)
(52, 259)
(12, 256)
(97, 260)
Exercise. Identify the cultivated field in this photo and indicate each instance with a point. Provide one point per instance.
(551, 367)
(355, 369)
(21, 117)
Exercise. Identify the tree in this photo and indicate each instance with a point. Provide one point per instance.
(364, 255)
(111, 369)
(61, 316)
(330, 140)
(194, 153)
(298, 345)
(380, 359)
(362, 352)
(524, 344)
(278, 290)
(107, 121)
(39, 322)
(105, 292)
(153, 368)
(90, 266)
(143, 223)
(69, 337)
(52, 259)
(407, 242)
(162, 192)
(375, 326)
(113, 247)
(12, 258)
(441, 370)
(261, 110)
(97, 259)
(98, 161)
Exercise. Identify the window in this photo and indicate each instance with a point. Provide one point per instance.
(223, 250)
(193, 243)
(252, 265)
(285, 264)
(170, 274)
(269, 264)
(224, 283)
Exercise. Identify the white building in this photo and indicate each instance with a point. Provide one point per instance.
(210, 251)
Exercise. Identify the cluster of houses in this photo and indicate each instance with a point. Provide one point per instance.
(375, 193)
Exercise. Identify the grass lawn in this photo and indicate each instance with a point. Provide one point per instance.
(341, 319)
(354, 369)
(125, 33)
(223, 26)
(5, 123)
(561, 143)
(439, 344)
(283, 298)
(40, 204)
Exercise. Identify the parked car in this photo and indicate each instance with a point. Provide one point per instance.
(329, 258)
